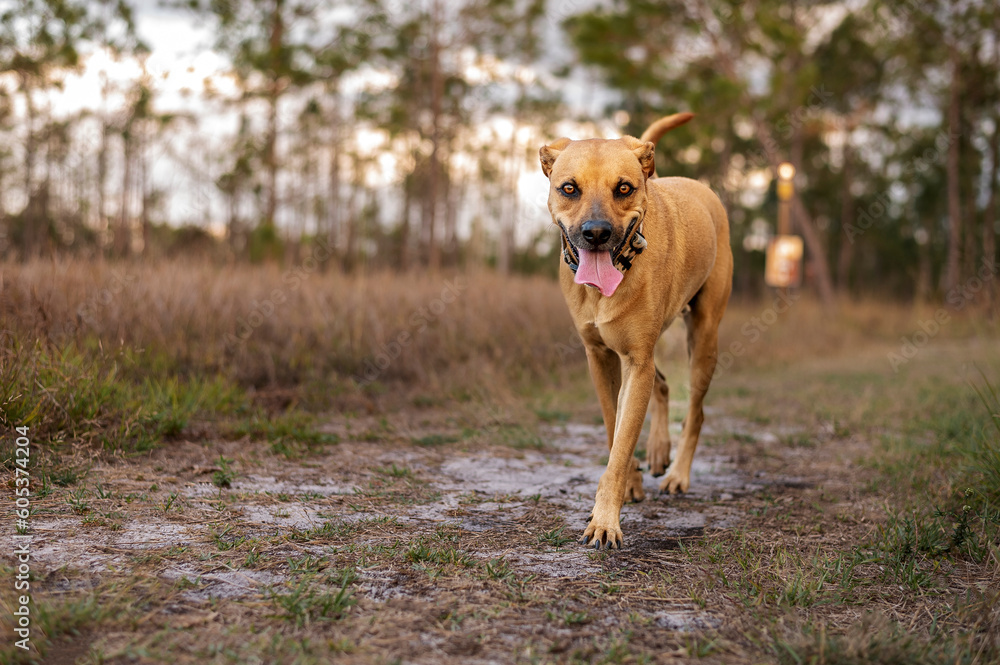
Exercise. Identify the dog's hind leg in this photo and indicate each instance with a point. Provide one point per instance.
(658, 446)
(703, 350)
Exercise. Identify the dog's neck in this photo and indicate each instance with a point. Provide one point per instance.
(622, 256)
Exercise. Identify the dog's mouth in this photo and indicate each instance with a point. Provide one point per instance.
(598, 270)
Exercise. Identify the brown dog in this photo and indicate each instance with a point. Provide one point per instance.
(637, 252)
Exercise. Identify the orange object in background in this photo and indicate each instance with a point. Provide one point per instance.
(783, 266)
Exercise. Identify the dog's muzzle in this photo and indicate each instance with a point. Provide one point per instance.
(621, 256)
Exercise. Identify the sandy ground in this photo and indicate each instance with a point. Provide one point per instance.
(482, 534)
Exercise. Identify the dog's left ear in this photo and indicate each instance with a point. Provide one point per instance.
(644, 151)
(548, 154)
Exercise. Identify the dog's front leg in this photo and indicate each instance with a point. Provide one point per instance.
(606, 373)
(638, 373)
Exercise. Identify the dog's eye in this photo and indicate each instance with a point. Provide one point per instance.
(568, 189)
(625, 189)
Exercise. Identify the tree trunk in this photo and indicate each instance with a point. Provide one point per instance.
(846, 256)
(31, 230)
(498, 211)
(990, 215)
(334, 222)
(953, 266)
(102, 179)
(817, 250)
(452, 199)
(4, 228)
(350, 251)
(509, 206)
(273, 97)
(232, 223)
(437, 93)
(271, 161)
(146, 193)
(404, 225)
(123, 234)
(969, 178)
(924, 278)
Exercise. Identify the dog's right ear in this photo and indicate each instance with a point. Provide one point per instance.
(548, 153)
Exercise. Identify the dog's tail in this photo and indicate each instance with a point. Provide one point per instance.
(656, 131)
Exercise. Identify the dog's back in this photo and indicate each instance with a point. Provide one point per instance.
(687, 192)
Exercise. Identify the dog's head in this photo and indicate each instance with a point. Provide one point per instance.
(597, 187)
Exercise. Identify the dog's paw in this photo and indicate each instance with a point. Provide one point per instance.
(602, 536)
(675, 482)
(658, 455)
(633, 486)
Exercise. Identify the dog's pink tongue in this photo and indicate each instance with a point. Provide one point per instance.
(597, 270)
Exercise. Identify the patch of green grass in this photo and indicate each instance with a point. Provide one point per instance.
(122, 401)
(424, 552)
(520, 437)
(311, 600)
(224, 541)
(77, 500)
(307, 564)
(878, 641)
(395, 471)
(425, 401)
(984, 453)
(225, 476)
(289, 434)
(64, 476)
(252, 558)
(802, 589)
(55, 619)
(800, 440)
(498, 569)
(171, 501)
(434, 439)
(552, 416)
(930, 525)
(555, 537)
(909, 546)
(756, 573)
(700, 646)
(340, 529)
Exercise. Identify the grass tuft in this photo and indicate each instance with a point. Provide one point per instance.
(311, 600)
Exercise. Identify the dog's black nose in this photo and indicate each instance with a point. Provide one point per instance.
(596, 232)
